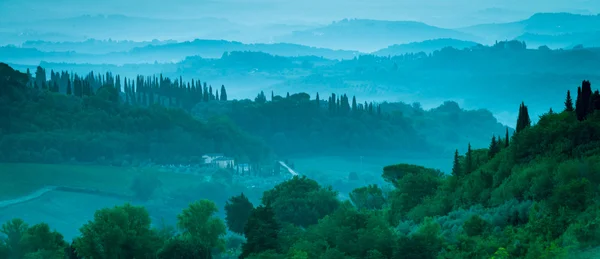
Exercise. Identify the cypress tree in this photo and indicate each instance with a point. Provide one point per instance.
(223, 93)
(523, 120)
(456, 170)
(494, 147)
(569, 102)
(318, 101)
(354, 109)
(69, 90)
(583, 103)
(506, 138)
(469, 160)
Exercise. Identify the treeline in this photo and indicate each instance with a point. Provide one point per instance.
(536, 197)
(299, 124)
(98, 126)
(340, 124)
(143, 90)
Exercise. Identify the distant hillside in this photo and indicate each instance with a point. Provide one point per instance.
(130, 28)
(91, 46)
(564, 41)
(172, 52)
(370, 35)
(540, 23)
(427, 46)
(215, 48)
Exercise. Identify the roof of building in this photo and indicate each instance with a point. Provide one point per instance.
(213, 155)
(223, 159)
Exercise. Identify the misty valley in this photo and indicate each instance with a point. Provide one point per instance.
(136, 136)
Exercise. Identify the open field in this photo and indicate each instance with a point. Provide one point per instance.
(64, 211)
(369, 168)
(23, 179)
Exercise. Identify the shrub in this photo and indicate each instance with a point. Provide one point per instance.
(143, 186)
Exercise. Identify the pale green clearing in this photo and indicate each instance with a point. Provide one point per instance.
(22, 179)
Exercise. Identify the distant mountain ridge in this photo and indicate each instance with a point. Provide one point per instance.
(427, 46)
(168, 52)
(370, 35)
(539, 23)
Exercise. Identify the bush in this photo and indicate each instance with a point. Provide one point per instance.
(143, 186)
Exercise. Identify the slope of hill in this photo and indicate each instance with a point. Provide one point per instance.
(90, 46)
(130, 28)
(540, 23)
(427, 46)
(370, 35)
(161, 52)
(564, 41)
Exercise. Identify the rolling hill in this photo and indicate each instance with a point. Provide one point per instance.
(540, 23)
(427, 46)
(370, 35)
(169, 52)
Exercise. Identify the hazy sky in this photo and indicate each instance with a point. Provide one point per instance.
(444, 13)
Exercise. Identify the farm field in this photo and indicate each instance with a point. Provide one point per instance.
(23, 179)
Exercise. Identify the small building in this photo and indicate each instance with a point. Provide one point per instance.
(209, 158)
(224, 162)
(244, 168)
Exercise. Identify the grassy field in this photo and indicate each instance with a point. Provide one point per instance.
(367, 166)
(21, 179)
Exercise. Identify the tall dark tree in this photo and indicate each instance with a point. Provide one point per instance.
(583, 103)
(569, 102)
(69, 89)
(354, 103)
(223, 93)
(523, 120)
(494, 147)
(456, 170)
(469, 160)
(261, 232)
(506, 139)
(317, 99)
(237, 212)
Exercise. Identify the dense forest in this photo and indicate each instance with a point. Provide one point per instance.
(91, 124)
(290, 124)
(533, 195)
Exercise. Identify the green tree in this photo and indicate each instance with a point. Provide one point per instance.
(506, 138)
(456, 170)
(199, 224)
(569, 102)
(118, 232)
(261, 232)
(223, 93)
(301, 201)
(237, 211)
(469, 160)
(370, 197)
(494, 148)
(523, 120)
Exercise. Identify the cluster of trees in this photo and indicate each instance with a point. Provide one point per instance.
(38, 125)
(141, 91)
(298, 123)
(535, 198)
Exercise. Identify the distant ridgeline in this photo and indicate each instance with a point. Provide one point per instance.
(95, 120)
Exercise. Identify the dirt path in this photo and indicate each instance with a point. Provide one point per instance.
(29, 197)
